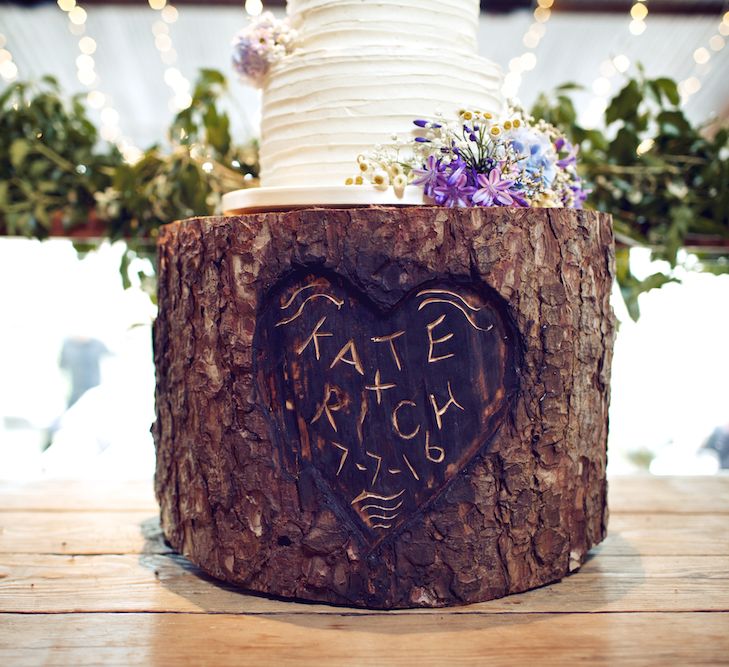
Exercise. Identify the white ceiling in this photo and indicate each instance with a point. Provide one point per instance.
(131, 72)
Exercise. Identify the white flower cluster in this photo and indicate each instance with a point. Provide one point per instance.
(261, 44)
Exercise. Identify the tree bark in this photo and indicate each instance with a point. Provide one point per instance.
(385, 407)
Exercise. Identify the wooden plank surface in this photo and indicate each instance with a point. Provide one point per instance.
(669, 495)
(73, 557)
(634, 494)
(631, 494)
(109, 532)
(80, 496)
(126, 583)
(381, 639)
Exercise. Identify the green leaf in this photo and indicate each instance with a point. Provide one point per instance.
(569, 86)
(211, 76)
(655, 281)
(19, 150)
(624, 106)
(673, 123)
(669, 88)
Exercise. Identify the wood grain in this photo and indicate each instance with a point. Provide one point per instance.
(631, 494)
(637, 601)
(81, 533)
(169, 583)
(363, 640)
(79, 496)
(670, 495)
(137, 532)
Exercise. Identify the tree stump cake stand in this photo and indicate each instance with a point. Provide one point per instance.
(385, 407)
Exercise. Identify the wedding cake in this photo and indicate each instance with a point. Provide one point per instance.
(377, 405)
(354, 74)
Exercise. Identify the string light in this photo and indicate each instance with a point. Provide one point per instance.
(531, 39)
(702, 56)
(254, 7)
(602, 88)
(169, 14)
(181, 98)
(8, 69)
(77, 15)
(622, 63)
(644, 146)
(717, 42)
(638, 14)
(86, 74)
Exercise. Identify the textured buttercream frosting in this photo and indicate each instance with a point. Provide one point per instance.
(361, 72)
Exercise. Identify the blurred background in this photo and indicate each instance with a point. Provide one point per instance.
(76, 370)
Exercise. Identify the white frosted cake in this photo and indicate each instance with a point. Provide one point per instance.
(360, 73)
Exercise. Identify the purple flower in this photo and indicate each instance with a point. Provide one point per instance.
(519, 200)
(430, 176)
(571, 157)
(494, 190)
(262, 43)
(250, 58)
(420, 123)
(454, 190)
(580, 195)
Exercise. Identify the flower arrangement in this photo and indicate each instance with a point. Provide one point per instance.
(261, 44)
(477, 161)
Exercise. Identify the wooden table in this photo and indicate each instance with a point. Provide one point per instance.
(86, 579)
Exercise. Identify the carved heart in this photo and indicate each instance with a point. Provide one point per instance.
(387, 407)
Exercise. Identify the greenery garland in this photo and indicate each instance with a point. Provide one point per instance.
(663, 179)
(665, 182)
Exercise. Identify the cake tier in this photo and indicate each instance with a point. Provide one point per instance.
(453, 24)
(323, 108)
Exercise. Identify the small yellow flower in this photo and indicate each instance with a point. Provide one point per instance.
(358, 180)
(487, 115)
(507, 124)
(495, 131)
(547, 199)
(364, 166)
(349, 181)
(516, 123)
(467, 115)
